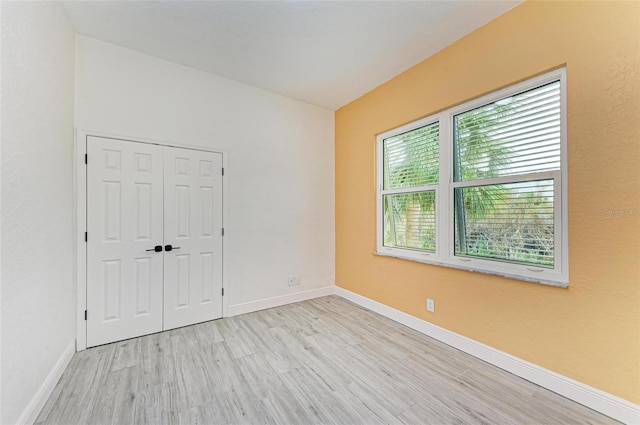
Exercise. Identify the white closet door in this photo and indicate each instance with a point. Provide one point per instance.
(193, 227)
(124, 222)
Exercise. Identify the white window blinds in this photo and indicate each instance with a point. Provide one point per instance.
(508, 222)
(411, 158)
(516, 135)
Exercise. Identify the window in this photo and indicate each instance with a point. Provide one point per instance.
(410, 178)
(481, 186)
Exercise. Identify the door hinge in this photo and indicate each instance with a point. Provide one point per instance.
(223, 292)
(86, 158)
(85, 315)
(223, 231)
(86, 236)
(223, 171)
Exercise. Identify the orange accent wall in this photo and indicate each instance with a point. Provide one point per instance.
(591, 331)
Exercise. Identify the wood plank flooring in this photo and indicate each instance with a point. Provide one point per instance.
(324, 361)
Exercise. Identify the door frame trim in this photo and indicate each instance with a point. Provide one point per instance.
(80, 219)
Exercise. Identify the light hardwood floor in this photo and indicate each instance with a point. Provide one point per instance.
(324, 361)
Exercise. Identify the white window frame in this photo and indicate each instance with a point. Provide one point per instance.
(444, 254)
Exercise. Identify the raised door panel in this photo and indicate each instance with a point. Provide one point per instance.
(124, 220)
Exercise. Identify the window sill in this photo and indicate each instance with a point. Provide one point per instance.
(470, 269)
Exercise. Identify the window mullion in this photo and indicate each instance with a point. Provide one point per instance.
(443, 201)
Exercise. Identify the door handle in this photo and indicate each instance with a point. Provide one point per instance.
(170, 248)
(157, 248)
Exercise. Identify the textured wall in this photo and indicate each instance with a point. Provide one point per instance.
(590, 331)
(37, 147)
(280, 170)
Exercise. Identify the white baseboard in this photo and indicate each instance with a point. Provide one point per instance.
(593, 398)
(237, 309)
(30, 414)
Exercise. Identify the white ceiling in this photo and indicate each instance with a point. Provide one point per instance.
(327, 53)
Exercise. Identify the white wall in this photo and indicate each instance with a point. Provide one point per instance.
(280, 169)
(37, 150)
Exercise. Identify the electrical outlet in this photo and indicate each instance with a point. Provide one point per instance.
(431, 305)
(294, 280)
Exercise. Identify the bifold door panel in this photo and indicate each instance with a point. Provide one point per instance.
(154, 247)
